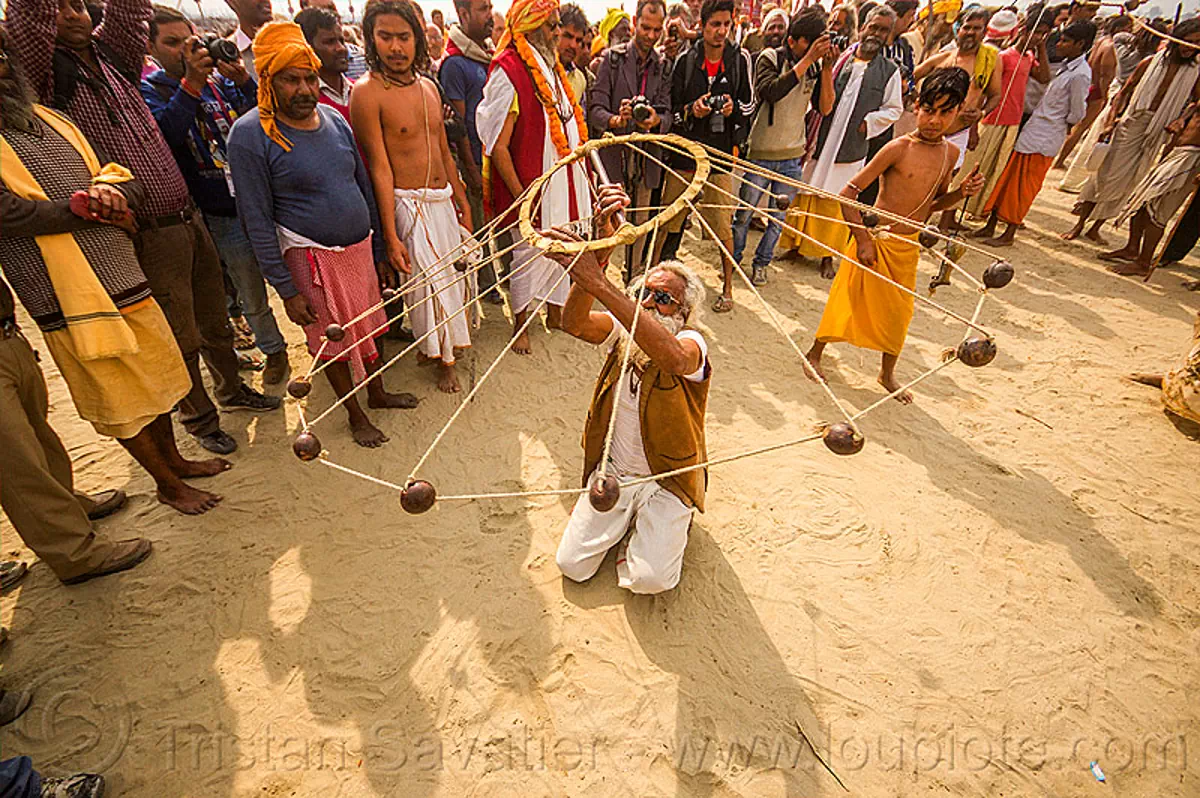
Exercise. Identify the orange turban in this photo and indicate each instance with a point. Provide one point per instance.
(278, 46)
(524, 16)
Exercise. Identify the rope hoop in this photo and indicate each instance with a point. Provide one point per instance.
(628, 233)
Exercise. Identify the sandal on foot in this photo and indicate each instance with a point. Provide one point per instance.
(11, 572)
(723, 304)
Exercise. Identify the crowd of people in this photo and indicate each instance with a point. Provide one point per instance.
(159, 173)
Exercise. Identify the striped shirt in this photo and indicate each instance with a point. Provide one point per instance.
(61, 171)
(106, 106)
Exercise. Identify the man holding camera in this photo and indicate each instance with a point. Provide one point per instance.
(712, 103)
(94, 77)
(195, 109)
(632, 93)
(784, 80)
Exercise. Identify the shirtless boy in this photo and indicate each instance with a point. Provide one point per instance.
(396, 113)
(914, 174)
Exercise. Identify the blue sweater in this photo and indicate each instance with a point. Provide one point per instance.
(179, 116)
(320, 190)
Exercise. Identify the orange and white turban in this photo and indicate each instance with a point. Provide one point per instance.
(279, 46)
(525, 16)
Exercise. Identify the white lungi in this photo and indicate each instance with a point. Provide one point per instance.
(428, 226)
(535, 281)
(653, 559)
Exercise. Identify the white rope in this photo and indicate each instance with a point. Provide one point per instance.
(492, 368)
(353, 391)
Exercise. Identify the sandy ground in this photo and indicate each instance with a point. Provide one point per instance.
(1002, 587)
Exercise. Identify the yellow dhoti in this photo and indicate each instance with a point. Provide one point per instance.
(864, 310)
(121, 395)
(1181, 388)
(819, 218)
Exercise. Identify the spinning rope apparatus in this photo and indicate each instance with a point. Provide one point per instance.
(843, 437)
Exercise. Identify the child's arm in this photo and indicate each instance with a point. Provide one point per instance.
(882, 161)
(969, 187)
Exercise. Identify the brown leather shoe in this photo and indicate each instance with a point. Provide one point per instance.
(102, 504)
(125, 555)
(277, 368)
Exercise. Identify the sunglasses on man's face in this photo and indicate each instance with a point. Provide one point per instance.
(661, 297)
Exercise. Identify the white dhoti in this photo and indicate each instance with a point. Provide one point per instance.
(1166, 188)
(653, 559)
(533, 279)
(436, 290)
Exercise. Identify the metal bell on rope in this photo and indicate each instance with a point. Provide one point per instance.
(998, 275)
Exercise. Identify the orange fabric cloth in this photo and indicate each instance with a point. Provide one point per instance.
(278, 46)
(864, 310)
(1018, 186)
(525, 16)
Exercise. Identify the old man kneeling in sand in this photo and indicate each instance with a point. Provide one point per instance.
(660, 404)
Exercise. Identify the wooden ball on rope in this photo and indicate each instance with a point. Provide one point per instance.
(841, 438)
(870, 219)
(603, 492)
(928, 238)
(417, 497)
(998, 275)
(388, 294)
(976, 351)
(299, 387)
(335, 332)
(306, 446)
(460, 265)
(782, 202)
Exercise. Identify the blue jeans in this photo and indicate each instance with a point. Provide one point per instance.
(238, 257)
(751, 192)
(18, 779)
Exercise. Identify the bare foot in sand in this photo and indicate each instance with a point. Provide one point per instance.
(367, 434)
(424, 359)
(520, 344)
(987, 231)
(196, 469)
(828, 270)
(998, 242)
(188, 500)
(553, 317)
(1131, 269)
(448, 379)
(1119, 254)
(890, 384)
(1073, 233)
(1094, 235)
(815, 361)
(1191, 285)
(382, 400)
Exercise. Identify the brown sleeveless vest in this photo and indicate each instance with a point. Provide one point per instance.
(672, 413)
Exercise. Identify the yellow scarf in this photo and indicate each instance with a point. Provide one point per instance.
(96, 327)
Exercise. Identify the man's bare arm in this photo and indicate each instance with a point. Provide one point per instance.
(502, 157)
(580, 321)
(994, 88)
(926, 67)
(366, 121)
(456, 186)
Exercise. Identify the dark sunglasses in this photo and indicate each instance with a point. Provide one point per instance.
(661, 297)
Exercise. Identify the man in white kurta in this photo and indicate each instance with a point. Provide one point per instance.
(819, 219)
(505, 132)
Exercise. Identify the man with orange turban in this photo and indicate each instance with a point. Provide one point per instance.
(526, 77)
(305, 199)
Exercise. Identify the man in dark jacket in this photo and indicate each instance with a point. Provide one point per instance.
(712, 103)
(630, 71)
(195, 109)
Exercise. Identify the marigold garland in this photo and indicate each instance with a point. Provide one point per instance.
(545, 95)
